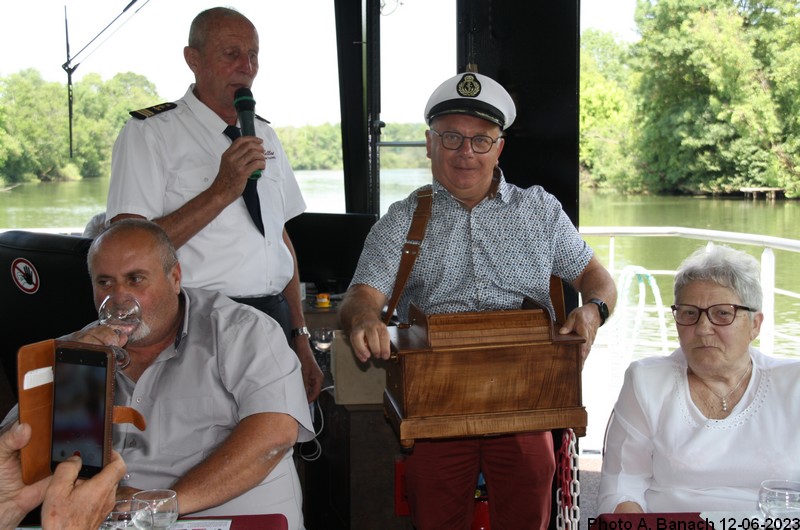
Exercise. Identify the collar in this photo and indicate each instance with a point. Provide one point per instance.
(203, 113)
(184, 327)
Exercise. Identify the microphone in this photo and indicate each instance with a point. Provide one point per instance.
(245, 107)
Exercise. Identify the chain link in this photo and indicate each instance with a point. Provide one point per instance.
(569, 488)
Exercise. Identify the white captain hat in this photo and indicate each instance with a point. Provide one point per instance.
(474, 94)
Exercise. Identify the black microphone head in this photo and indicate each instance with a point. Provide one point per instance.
(243, 100)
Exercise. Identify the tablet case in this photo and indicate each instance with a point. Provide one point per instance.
(35, 383)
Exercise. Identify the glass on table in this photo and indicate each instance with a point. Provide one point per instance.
(123, 314)
(129, 513)
(163, 504)
(779, 499)
(322, 339)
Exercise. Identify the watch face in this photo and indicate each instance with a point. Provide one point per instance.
(602, 307)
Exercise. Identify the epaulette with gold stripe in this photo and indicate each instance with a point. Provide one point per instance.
(143, 114)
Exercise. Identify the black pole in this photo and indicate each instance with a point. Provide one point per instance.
(69, 71)
(67, 66)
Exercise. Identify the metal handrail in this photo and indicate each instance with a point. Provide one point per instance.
(780, 243)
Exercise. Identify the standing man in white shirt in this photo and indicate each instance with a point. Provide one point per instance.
(183, 166)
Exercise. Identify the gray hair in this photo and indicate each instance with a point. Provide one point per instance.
(205, 20)
(169, 256)
(733, 269)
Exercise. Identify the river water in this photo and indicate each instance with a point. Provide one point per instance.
(637, 328)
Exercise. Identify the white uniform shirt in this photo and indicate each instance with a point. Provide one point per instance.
(160, 163)
(662, 453)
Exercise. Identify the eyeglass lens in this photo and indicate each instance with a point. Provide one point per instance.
(453, 141)
(719, 314)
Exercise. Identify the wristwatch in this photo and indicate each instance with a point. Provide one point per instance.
(296, 332)
(602, 307)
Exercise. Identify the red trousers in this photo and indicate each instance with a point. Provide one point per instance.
(441, 477)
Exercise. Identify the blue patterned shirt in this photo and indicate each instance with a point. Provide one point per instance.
(485, 259)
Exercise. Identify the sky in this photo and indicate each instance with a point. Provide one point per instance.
(296, 84)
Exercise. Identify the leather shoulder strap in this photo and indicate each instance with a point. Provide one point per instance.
(416, 233)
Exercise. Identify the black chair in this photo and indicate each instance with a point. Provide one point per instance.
(328, 246)
(45, 291)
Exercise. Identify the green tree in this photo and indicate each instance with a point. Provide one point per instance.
(606, 117)
(34, 123)
(707, 117)
(403, 157)
(312, 146)
(35, 126)
(101, 109)
(775, 26)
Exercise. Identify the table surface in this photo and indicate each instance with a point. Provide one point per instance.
(253, 522)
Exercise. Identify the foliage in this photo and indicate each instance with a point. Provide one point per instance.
(312, 147)
(711, 117)
(708, 100)
(34, 129)
(404, 157)
(34, 123)
(606, 117)
(320, 146)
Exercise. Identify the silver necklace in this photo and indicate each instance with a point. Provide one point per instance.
(724, 399)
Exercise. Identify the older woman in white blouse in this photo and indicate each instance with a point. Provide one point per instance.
(700, 429)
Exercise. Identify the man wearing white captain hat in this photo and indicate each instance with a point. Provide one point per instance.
(488, 245)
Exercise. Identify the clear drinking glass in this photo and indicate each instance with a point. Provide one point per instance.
(163, 505)
(123, 313)
(129, 513)
(779, 499)
(322, 339)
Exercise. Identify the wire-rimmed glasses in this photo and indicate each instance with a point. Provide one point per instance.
(718, 314)
(453, 141)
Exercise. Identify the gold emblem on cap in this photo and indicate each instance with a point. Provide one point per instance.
(469, 86)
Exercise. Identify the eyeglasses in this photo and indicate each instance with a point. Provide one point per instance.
(718, 314)
(452, 140)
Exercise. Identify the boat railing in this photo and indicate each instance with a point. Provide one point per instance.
(768, 244)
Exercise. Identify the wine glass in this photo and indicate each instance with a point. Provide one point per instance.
(779, 499)
(163, 505)
(129, 513)
(123, 314)
(322, 339)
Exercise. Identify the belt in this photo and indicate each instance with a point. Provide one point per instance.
(272, 299)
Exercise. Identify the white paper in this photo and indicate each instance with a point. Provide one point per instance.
(38, 377)
(202, 524)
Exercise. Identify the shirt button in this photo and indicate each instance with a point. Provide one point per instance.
(132, 443)
(127, 476)
(138, 400)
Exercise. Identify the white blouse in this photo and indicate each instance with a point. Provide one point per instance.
(662, 453)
